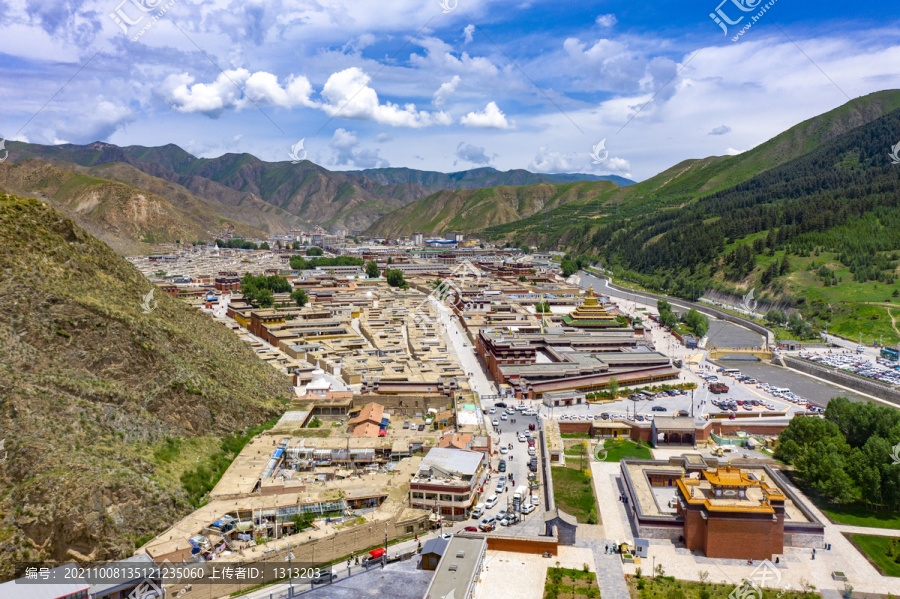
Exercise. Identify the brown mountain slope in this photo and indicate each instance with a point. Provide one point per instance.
(125, 217)
(93, 387)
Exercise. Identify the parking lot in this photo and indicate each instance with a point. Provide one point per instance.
(516, 462)
(859, 364)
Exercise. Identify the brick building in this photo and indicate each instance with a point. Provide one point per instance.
(448, 481)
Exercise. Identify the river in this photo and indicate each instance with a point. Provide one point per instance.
(726, 334)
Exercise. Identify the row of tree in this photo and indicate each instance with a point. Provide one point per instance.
(301, 263)
(849, 456)
(260, 290)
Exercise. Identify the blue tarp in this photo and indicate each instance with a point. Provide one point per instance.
(278, 453)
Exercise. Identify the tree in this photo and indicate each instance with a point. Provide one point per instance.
(295, 245)
(523, 278)
(265, 298)
(314, 251)
(264, 245)
(775, 316)
(613, 386)
(796, 323)
(299, 296)
(278, 243)
(395, 278)
(542, 307)
(697, 321)
(568, 268)
(785, 266)
(372, 269)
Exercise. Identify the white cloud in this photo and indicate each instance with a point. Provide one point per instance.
(225, 92)
(733, 152)
(473, 154)
(347, 151)
(606, 20)
(490, 118)
(468, 32)
(720, 130)
(349, 95)
(546, 161)
(444, 91)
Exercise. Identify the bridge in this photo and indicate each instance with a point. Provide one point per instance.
(718, 353)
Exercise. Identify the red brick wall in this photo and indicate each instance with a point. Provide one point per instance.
(640, 433)
(574, 427)
(519, 545)
(743, 539)
(730, 427)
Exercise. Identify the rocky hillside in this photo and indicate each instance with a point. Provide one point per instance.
(128, 218)
(103, 406)
(474, 209)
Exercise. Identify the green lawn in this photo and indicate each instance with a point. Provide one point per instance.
(618, 449)
(575, 435)
(666, 587)
(853, 514)
(884, 551)
(567, 582)
(573, 493)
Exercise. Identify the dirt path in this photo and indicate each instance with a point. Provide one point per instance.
(893, 321)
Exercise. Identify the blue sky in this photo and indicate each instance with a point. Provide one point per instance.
(438, 85)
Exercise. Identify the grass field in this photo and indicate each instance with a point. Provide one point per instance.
(618, 449)
(573, 492)
(567, 582)
(666, 587)
(852, 514)
(884, 551)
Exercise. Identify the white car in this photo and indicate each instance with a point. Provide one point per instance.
(521, 438)
(527, 508)
(491, 502)
(504, 417)
(535, 501)
(503, 449)
(492, 411)
(496, 422)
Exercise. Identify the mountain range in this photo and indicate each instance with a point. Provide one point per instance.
(236, 189)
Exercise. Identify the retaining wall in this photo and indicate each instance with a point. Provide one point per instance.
(872, 387)
(523, 544)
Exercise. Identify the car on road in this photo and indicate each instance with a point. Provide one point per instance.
(658, 409)
(324, 576)
(491, 502)
(504, 416)
(522, 438)
(499, 404)
(527, 508)
(502, 466)
(492, 411)
(478, 510)
(503, 449)
(604, 416)
(495, 422)
(501, 514)
(468, 529)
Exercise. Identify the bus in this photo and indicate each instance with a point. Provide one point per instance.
(890, 353)
(732, 372)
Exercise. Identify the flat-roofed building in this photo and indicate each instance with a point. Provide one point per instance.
(459, 568)
(448, 481)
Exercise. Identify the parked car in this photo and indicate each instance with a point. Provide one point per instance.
(495, 422)
(470, 529)
(406, 424)
(502, 466)
(324, 576)
(527, 508)
(658, 409)
(491, 501)
(421, 427)
(499, 404)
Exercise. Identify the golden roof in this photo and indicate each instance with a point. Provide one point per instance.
(728, 477)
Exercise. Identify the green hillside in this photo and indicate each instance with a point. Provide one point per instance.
(808, 219)
(474, 209)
